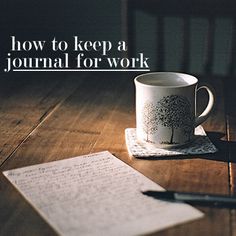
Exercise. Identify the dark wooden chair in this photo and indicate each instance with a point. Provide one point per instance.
(184, 9)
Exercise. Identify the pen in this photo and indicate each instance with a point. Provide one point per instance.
(195, 198)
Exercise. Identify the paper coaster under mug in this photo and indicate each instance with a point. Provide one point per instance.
(200, 145)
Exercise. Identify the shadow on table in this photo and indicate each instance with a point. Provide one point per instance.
(226, 149)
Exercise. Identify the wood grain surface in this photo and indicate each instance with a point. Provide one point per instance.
(79, 114)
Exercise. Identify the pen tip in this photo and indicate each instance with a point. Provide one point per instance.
(159, 194)
(148, 193)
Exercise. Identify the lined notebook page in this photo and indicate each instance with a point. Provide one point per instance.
(96, 194)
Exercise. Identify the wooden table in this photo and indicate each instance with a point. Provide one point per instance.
(46, 117)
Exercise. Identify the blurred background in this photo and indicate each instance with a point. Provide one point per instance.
(111, 20)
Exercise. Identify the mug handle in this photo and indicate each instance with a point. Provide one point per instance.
(205, 114)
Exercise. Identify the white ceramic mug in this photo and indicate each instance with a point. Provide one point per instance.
(166, 108)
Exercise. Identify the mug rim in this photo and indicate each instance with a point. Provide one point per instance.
(193, 81)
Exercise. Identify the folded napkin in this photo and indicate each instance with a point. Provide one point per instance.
(200, 145)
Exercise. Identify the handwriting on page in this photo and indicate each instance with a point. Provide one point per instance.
(96, 194)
